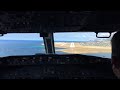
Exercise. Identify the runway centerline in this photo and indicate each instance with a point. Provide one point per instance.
(72, 45)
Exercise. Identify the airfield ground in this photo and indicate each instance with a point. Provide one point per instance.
(77, 48)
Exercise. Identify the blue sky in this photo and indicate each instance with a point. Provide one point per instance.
(74, 36)
(79, 36)
(21, 36)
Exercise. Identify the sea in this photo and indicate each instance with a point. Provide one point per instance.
(32, 47)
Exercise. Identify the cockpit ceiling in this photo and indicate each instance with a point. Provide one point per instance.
(58, 21)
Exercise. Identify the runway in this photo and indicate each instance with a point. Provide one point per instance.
(76, 48)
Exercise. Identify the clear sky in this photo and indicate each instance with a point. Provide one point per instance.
(21, 36)
(79, 36)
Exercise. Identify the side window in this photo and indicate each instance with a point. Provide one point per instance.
(12, 44)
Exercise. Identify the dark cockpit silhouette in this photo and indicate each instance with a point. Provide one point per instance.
(52, 65)
(116, 54)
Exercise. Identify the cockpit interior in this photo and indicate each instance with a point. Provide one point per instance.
(51, 65)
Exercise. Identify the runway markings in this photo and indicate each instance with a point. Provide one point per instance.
(72, 45)
(63, 44)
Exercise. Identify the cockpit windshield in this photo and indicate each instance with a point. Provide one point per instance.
(82, 43)
(86, 43)
(13, 44)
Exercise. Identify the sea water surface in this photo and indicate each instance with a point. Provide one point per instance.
(31, 47)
